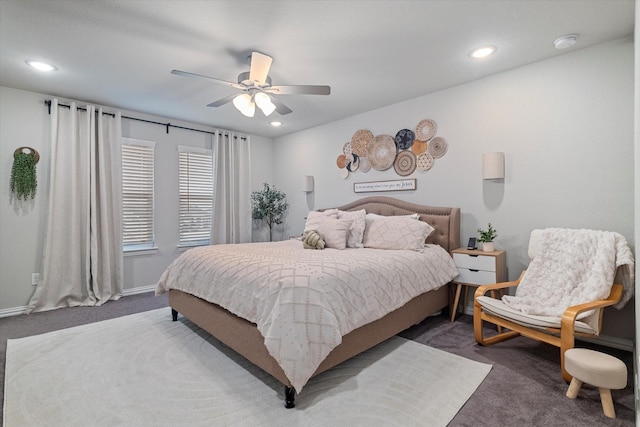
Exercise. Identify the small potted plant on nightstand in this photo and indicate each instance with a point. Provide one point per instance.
(487, 237)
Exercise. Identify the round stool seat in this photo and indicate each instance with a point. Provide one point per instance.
(595, 368)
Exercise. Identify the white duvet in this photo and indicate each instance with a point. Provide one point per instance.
(303, 301)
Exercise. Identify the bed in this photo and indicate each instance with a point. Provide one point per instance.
(240, 331)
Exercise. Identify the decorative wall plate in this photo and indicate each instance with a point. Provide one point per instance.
(404, 139)
(425, 161)
(341, 161)
(381, 152)
(360, 141)
(347, 148)
(344, 173)
(405, 163)
(426, 129)
(353, 162)
(418, 147)
(437, 147)
(365, 166)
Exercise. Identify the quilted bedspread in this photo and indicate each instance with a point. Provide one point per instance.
(304, 301)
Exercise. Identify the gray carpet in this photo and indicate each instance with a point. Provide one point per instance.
(524, 388)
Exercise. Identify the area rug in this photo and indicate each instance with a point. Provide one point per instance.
(145, 370)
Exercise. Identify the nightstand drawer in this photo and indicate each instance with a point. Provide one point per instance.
(475, 277)
(477, 262)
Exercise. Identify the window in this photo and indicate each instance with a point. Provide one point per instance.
(137, 194)
(196, 195)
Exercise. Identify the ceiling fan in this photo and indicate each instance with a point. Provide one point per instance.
(257, 89)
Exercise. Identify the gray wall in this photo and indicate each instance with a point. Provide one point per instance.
(24, 122)
(564, 124)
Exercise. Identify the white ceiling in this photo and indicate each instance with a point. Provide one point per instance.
(371, 53)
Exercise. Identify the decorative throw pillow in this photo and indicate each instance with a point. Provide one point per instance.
(395, 232)
(356, 231)
(413, 215)
(314, 217)
(334, 231)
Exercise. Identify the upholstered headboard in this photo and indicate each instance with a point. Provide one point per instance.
(446, 221)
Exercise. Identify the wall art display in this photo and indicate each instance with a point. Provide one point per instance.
(408, 151)
(394, 185)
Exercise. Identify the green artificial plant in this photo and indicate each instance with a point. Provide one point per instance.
(488, 235)
(23, 175)
(269, 204)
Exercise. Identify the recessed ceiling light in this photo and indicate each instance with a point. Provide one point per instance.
(276, 124)
(41, 66)
(565, 41)
(482, 52)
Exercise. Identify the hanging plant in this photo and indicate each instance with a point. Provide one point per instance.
(270, 205)
(23, 173)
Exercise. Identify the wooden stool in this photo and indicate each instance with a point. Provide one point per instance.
(598, 369)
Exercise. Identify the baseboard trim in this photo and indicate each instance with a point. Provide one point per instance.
(613, 342)
(138, 290)
(16, 311)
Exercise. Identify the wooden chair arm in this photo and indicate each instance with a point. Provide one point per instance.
(481, 290)
(570, 314)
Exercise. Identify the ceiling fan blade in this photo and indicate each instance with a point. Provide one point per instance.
(280, 107)
(222, 101)
(299, 90)
(260, 65)
(199, 76)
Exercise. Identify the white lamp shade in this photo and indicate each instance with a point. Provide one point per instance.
(264, 103)
(493, 165)
(307, 184)
(244, 104)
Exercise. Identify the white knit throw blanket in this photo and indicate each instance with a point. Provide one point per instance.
(573, 267)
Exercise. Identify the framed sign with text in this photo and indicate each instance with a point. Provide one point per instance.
(376, 186)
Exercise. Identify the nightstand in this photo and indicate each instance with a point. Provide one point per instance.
(476, 268)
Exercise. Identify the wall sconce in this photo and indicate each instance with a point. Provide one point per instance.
(307, 184)
(493, 165)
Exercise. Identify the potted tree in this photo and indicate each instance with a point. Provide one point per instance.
(486, 237)
(269, 204)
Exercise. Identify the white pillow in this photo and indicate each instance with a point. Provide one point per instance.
(356, 231)
(334, 231)
(314, 217)
(395, 232)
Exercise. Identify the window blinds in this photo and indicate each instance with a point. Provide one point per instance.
(137, 194)
(196, 195)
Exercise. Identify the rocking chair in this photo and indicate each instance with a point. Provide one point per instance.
(559, 331)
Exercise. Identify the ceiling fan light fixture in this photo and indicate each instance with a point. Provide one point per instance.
(264, 103)
(244, 104)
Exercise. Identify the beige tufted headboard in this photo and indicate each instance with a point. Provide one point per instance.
(446, 221)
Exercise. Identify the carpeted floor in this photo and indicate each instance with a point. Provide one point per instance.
(524, 387)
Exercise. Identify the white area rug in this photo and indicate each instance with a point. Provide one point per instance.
(145, 370)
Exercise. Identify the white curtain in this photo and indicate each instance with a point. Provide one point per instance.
(82, 260)
(232, 189)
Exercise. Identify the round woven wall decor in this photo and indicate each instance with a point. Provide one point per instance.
(437, 147)
(405, 163)
(360, 141)
(381, 152)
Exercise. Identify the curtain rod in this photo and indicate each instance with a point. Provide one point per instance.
(166, 125)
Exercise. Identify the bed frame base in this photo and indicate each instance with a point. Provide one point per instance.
(244, 337)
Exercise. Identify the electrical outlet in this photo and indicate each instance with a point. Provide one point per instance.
(35, 279)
